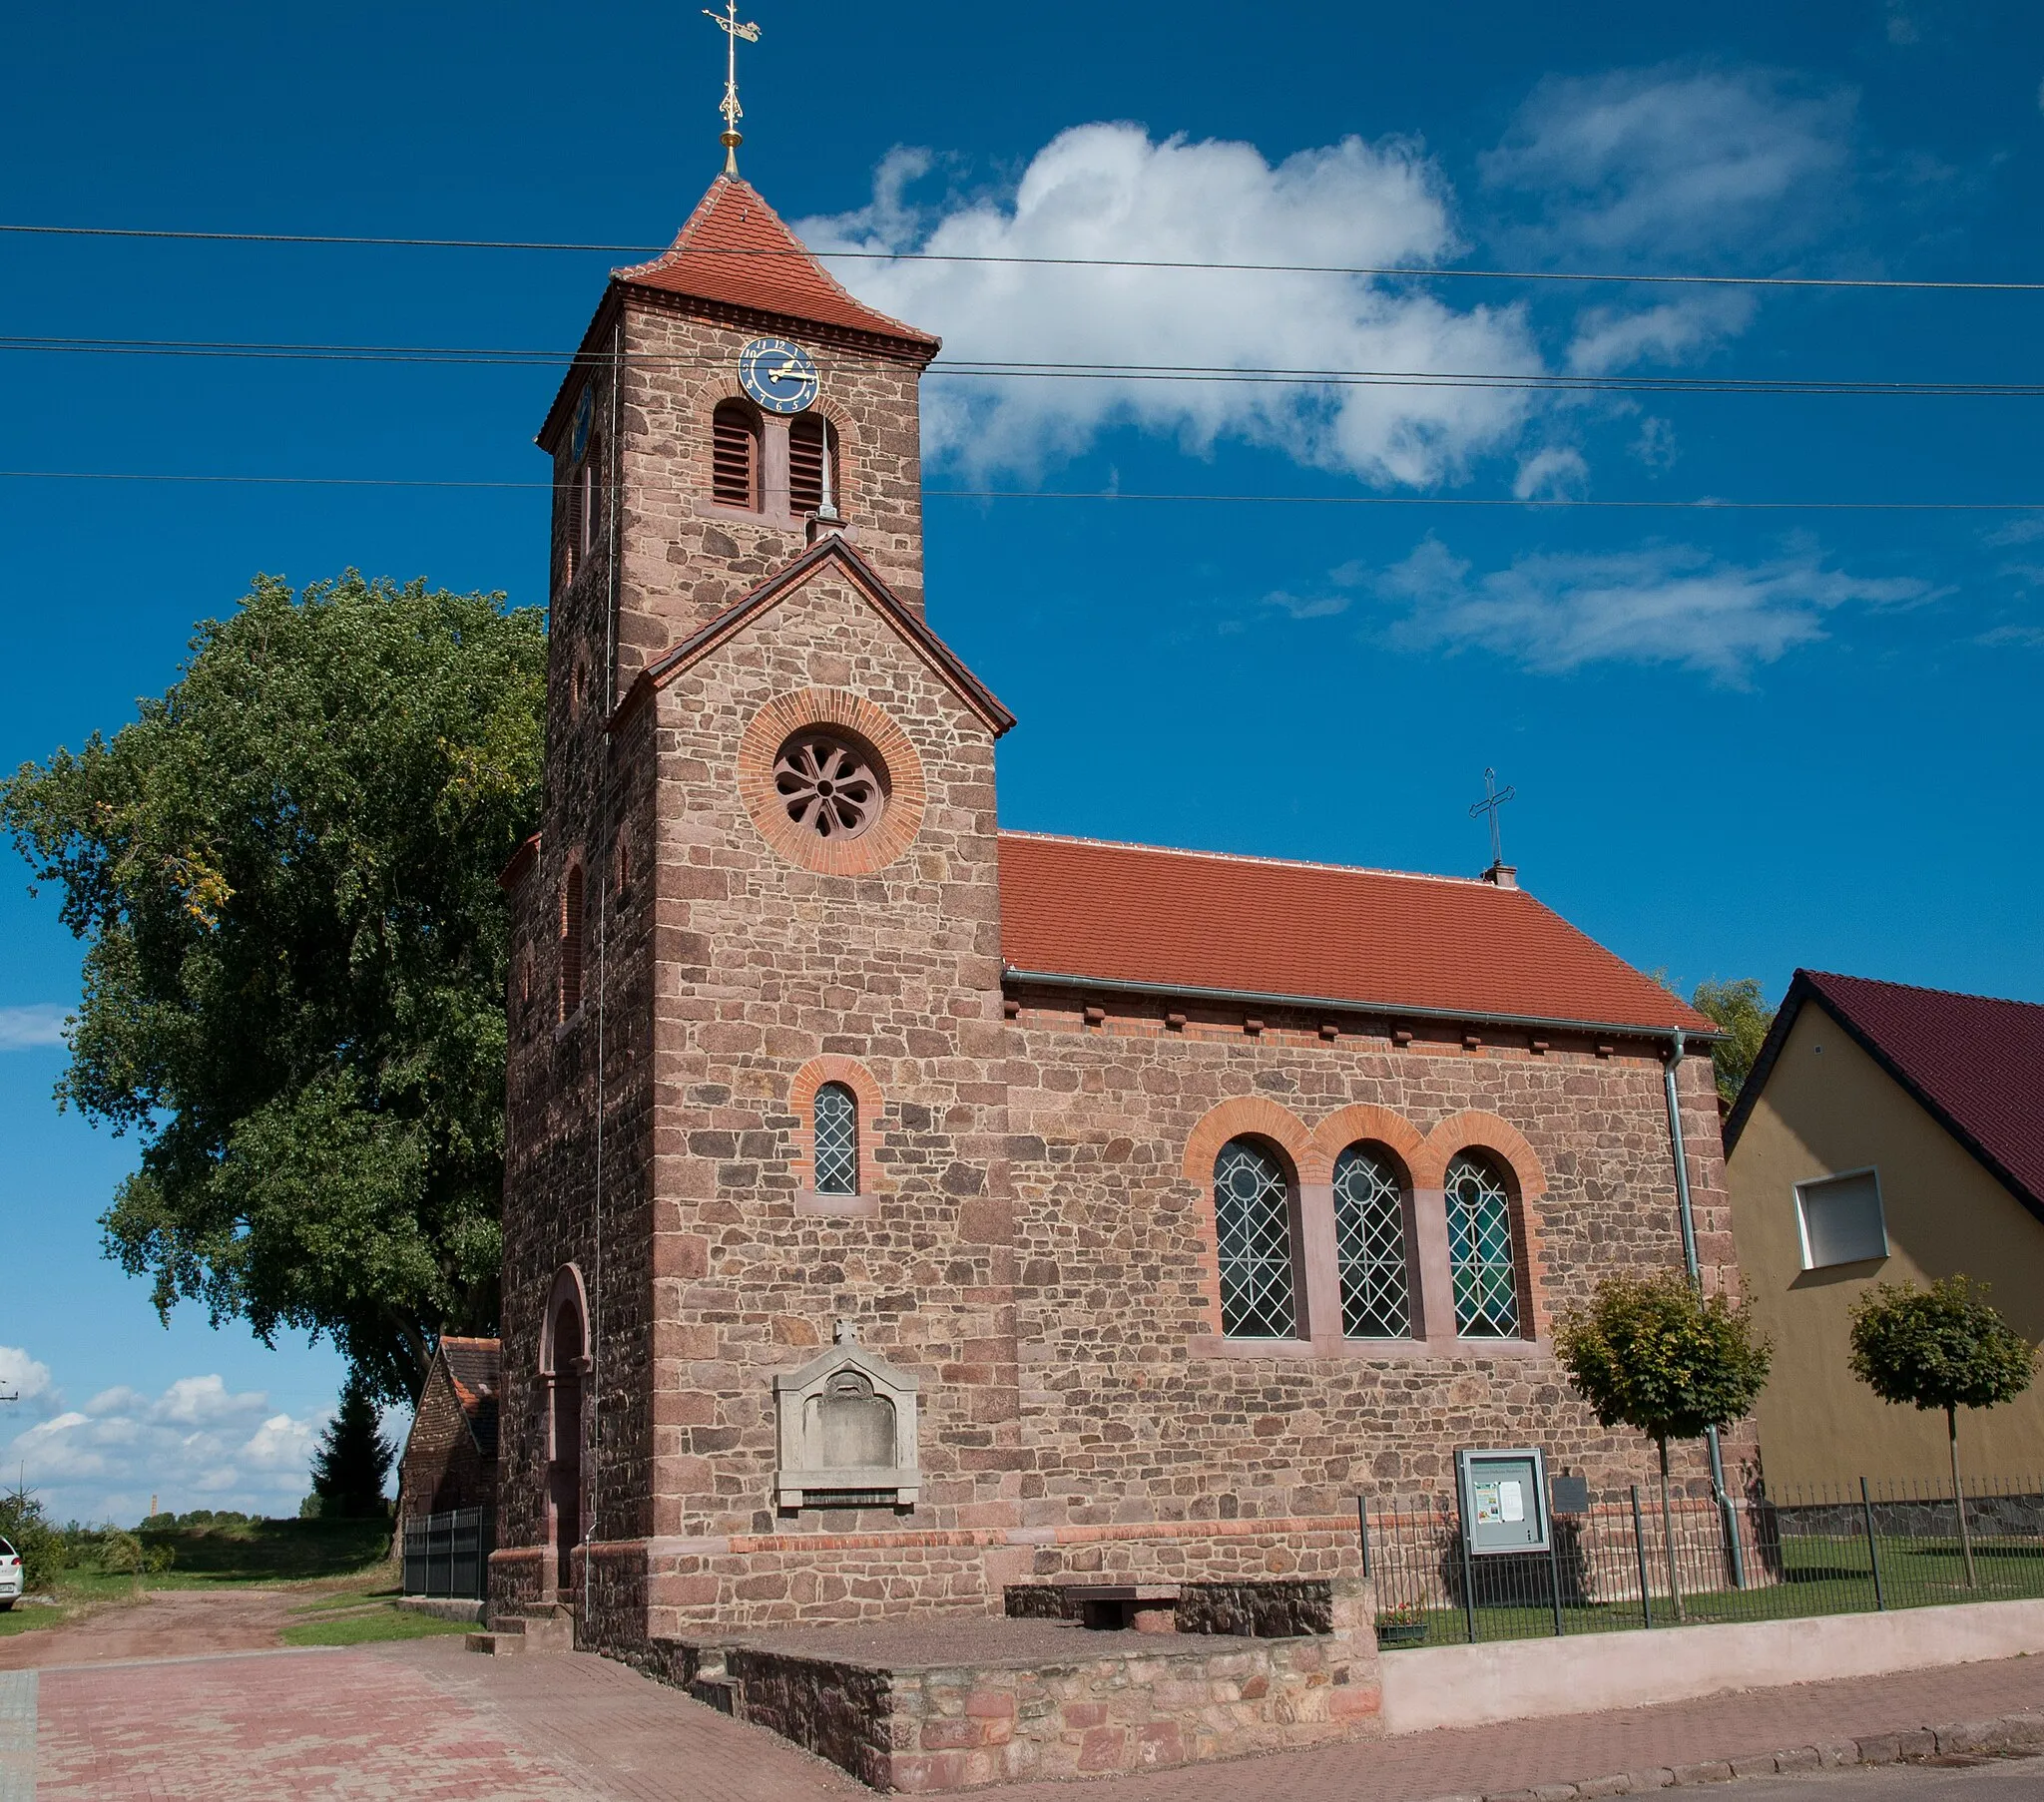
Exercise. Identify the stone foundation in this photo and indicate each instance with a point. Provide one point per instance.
(919, 1707)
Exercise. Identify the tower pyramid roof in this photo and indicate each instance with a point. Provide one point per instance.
(737, 251)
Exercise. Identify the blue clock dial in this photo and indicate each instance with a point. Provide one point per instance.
(781, 377)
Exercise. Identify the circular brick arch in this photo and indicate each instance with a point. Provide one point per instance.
(822, 709)
(1473, 1129)
(1367, 1123)
(1252, 1116)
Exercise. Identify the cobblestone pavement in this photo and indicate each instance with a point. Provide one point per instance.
(426, 1720)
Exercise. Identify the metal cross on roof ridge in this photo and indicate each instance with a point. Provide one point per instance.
(1494, 797)
(728, 23)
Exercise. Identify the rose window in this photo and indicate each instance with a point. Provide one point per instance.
(830, 785)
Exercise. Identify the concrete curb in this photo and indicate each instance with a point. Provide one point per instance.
(2008, 1734)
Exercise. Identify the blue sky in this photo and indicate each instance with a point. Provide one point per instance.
(1742, 740)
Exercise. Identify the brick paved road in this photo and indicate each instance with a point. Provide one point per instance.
(425, 1720)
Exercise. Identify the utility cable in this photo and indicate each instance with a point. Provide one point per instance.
(1397, 271)
(1697, 504)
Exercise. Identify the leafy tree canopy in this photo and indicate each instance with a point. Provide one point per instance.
(285, 871)
(1942, 1347)
(352, 1459)
(1741, 1009)
(1651, 1353)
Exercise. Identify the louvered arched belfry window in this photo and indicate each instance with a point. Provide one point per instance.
(735, 455)
(837, 1140)
(1253, 1230)
(810, 441)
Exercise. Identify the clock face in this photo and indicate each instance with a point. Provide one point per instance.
(781, 377)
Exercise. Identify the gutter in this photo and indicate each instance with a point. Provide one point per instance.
(1345, 1005)
(1690, 1262)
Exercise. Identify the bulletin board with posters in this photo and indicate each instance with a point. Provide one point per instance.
(1504, 1497)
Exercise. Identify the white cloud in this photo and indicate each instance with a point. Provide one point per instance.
(2021, 530)
(23, 1377)
(40, 1024)
(195, 1445)
(1110, 191)
(1551, 473)
(1610, 338)
(1655, 161)
(1667, 604)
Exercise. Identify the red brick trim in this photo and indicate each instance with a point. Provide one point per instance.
(805, 710)
(1367, 1123)
(802, 1102)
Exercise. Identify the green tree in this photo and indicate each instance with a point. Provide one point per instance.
(284, 872)
(1652, 1353)
(1940, 1347)
(352, 1457)
(25, 1527)
(1741, 1009)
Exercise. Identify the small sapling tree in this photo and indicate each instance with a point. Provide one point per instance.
(354, 1457)
(1653, 1354)
(1940, 1347)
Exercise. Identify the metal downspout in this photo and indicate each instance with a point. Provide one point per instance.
(1693, 1264)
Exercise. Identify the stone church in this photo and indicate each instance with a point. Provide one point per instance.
(900, 1209)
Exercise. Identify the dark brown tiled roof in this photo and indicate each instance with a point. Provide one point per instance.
(1188, 921)
(1974, 1062)
(476, 1369)
(737, 251)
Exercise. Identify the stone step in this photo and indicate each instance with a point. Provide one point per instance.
(551, 1631)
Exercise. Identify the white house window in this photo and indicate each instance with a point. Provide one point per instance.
(837, 1140)
(1840, 1220)
(1253, 1220)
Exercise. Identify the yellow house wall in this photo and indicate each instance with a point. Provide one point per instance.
(1828, 1107)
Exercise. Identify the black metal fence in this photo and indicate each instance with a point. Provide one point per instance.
(448, 1553)
(1770, 1555)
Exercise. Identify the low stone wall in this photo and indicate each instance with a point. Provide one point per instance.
(1073, 1712)
(1267, 1608)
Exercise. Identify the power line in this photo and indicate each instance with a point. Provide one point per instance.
(997, 369)
(1697, 504)
(1397, 271)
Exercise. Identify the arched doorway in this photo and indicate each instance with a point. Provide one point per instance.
(565, 1366)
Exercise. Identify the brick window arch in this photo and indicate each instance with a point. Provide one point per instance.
(826, 1141)
(1483, 1257)
(1255, 1229)
(734, 459)
(833, 1137)
(1373, 1244)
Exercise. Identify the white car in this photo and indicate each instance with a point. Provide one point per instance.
(10, 1577)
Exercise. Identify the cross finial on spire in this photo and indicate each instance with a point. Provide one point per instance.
(1494, 797)
(728, 23)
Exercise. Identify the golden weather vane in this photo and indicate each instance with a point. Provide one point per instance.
(728, 23)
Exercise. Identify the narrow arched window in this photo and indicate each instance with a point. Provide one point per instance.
(571, 943)
(735, 455)
(837, 1140)
(1369, 1246)
(1253, 1223)
(811, 456)
(1481, 1260)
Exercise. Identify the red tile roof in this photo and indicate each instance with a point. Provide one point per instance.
(736, 249)
(1977, 1063)
(1191, 920)
(476, 1369)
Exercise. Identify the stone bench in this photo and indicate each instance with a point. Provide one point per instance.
(1251, 1609)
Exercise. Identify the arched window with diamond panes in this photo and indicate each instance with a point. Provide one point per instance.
(836, 1124)
(1482, 1263)
(1253, 1220)
(1369, 1246)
